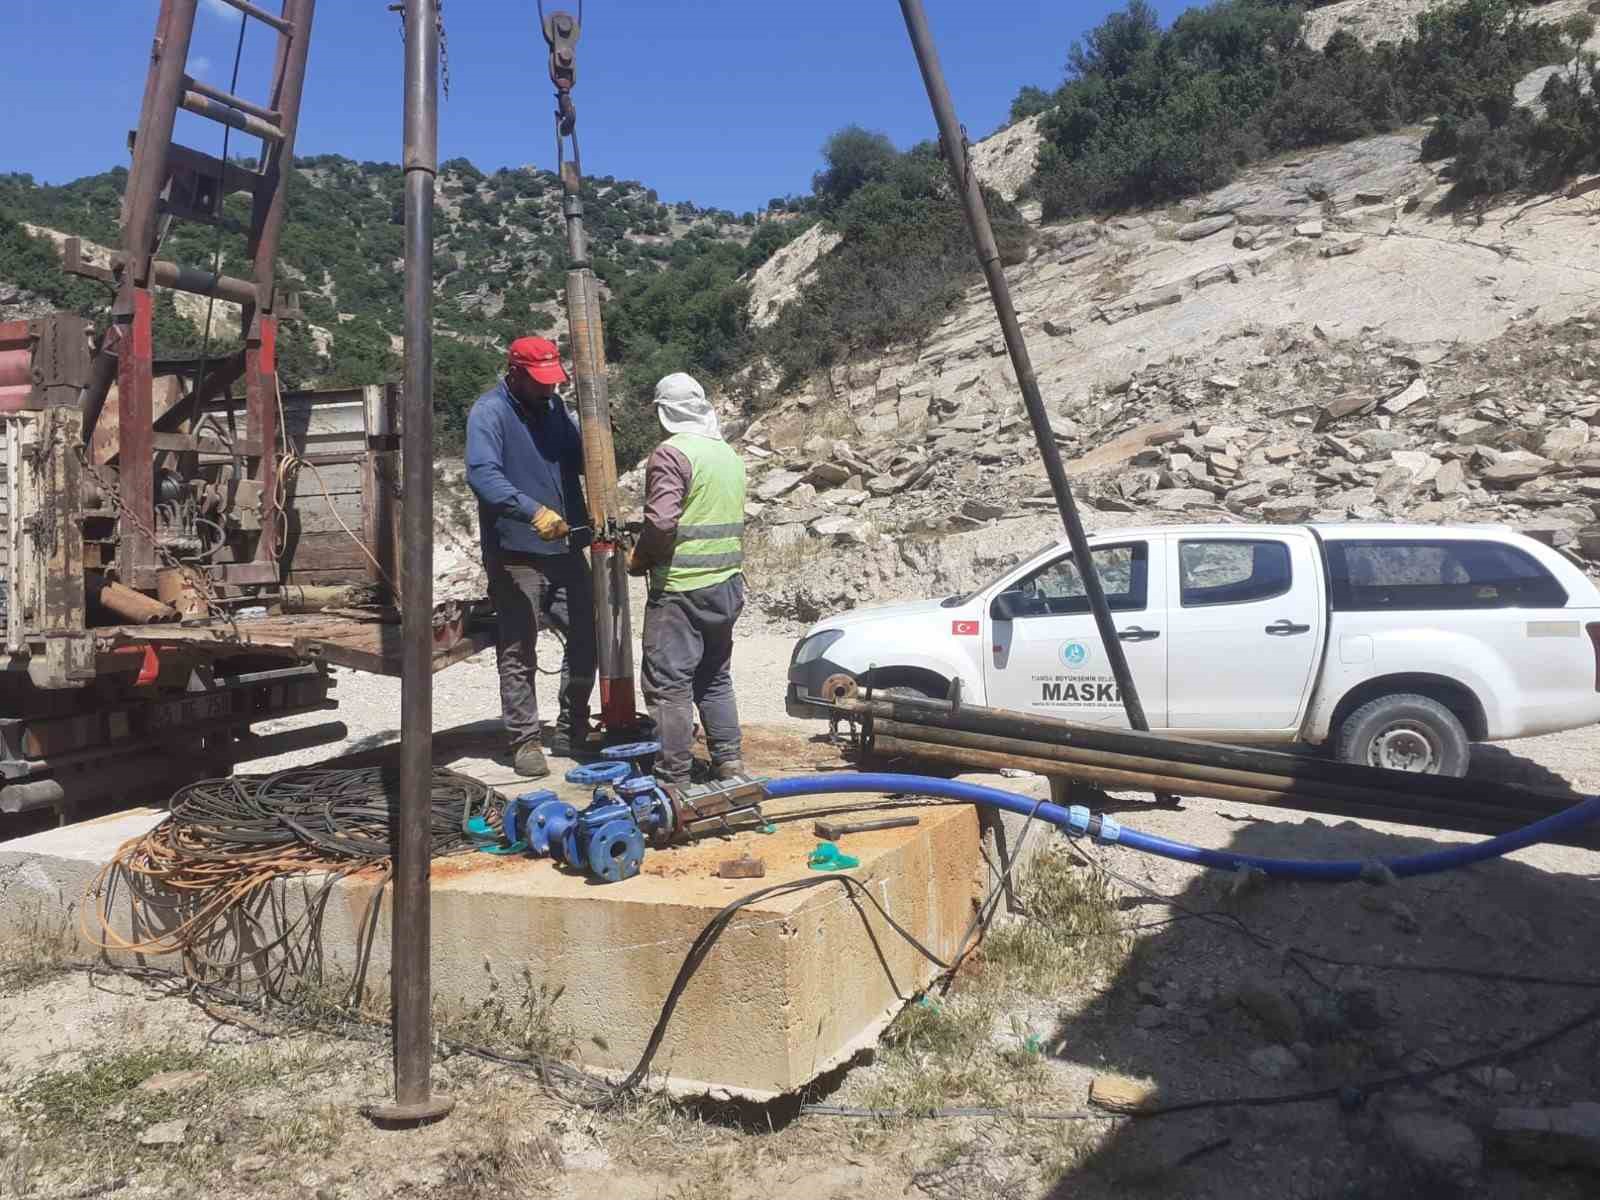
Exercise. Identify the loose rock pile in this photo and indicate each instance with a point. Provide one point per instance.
(1316, 430)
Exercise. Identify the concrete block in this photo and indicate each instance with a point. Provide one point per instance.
(796, 986)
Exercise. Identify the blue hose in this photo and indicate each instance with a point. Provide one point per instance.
(1079, 821)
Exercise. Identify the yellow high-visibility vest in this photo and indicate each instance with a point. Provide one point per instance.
(710, 543)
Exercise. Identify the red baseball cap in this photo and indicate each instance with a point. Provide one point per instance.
(538, 357)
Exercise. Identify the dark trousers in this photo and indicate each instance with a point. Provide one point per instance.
(688, 657)
(529, 591)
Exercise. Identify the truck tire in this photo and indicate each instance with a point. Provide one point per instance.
(1405, 732)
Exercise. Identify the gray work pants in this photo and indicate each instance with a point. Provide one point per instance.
(688, 656)
(530, 590)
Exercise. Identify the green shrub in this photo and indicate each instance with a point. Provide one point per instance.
(1147, 117)
(1501, 148)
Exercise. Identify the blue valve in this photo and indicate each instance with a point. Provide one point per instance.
(594, 774)
(631, 750)
(615, 851)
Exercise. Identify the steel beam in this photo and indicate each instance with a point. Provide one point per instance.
(136, 470)
(278, 160)
(953, 141)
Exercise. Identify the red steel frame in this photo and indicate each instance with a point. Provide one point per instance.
(155, 161)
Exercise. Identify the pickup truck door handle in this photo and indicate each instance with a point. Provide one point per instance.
(1286, 629)
(1134, 634)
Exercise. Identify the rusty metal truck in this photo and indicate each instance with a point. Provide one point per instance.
(127, 675)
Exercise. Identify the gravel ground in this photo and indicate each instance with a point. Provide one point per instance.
(1213, 997)
(469, 692)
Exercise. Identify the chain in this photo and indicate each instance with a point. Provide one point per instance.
(444, 44)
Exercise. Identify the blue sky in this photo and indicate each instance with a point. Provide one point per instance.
(722, 102)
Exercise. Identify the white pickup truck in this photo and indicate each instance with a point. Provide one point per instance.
(1391, 645)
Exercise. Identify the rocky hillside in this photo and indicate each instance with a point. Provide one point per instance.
(499, 269)
(1322, 339)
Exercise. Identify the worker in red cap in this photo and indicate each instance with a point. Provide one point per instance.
(524, 460)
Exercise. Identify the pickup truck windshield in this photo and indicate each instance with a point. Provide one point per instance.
(1414, 575)
(1057, 588)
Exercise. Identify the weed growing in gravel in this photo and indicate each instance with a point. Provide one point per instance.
(1070, 935)
(83, 1097)
(522, 1021)
(39, 948)
(946, 1051)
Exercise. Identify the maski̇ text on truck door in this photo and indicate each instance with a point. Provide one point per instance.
(1045, 655)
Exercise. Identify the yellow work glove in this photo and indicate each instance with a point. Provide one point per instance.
(550, 525)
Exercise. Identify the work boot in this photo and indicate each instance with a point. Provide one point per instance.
(562, 744)
(732, 769)
(529, 762)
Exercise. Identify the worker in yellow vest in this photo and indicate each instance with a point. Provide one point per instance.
(692, 549)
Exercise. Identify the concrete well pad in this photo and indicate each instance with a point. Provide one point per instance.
(796, 985)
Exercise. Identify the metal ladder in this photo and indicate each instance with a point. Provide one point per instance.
(172, 182)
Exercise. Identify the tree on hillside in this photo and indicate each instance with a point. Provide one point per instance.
(1112, 49)
(855, 157)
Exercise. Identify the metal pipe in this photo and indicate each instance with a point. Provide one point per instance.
(412, 839)
(269, 115)
(202, 283)
(1190, 776)
(13, 531)
(127, 603)
(134, 773)
(260, 14)
(16, 366)
(586, 336)
(225, 114)
(1138, 781)
(102, 374)
(1052, 730)
(954, 141)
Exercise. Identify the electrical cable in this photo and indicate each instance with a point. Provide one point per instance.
(200, 884)
(707, 938)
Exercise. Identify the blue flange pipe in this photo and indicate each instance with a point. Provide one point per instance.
(1077, 820)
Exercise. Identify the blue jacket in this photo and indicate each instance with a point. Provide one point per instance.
(518, 459)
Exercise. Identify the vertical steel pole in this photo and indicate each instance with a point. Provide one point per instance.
(409, 961)
(953, 140)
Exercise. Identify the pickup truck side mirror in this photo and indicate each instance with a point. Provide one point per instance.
(1007, 606)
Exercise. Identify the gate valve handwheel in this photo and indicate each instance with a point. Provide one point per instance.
(594, 774)
(631, 750)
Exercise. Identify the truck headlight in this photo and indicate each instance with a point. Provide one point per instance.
(815, 646)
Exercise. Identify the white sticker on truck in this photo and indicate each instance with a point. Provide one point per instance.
(1553, 629)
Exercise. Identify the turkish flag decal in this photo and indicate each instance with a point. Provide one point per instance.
(964, 628)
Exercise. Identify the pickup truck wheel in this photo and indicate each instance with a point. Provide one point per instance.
(1405, 733)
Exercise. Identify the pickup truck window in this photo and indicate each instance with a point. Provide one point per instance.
(1413, 575)
(1232, 572)
(1057, 588)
